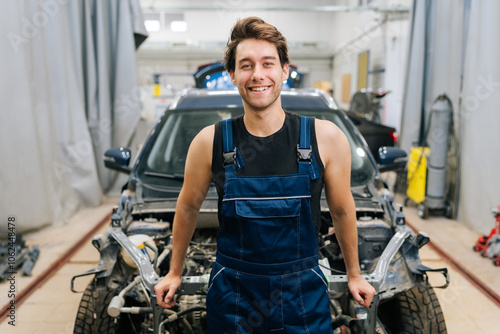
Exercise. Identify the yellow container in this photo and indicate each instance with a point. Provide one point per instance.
(417, 174)
(156, 90)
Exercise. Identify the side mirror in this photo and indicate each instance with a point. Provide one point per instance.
(391, 159)
(118, 159)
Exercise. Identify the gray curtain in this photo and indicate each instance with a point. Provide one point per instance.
(480, 118)
(436, 41)
(462, 51)
(68, 87)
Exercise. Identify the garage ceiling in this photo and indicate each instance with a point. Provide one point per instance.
(165, 48)
(322, 6)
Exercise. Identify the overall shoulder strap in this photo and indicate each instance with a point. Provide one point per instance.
(305, 132)
(227, 135)
(305, 156)
(232, 157)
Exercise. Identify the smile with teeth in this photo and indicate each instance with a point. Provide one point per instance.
(258, 89)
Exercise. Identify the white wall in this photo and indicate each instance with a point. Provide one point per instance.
(354, 33)
(396, 52)
(387, 44)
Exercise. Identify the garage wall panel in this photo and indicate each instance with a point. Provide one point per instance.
(396, 53)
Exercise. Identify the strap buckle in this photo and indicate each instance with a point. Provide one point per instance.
(229, 157)
(304, 154)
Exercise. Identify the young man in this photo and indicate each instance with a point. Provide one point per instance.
(266, 278)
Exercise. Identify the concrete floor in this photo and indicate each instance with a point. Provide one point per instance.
(52, 307)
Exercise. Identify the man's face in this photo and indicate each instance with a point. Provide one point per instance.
(258, 74)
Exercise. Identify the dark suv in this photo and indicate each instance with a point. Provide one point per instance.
(135, 251)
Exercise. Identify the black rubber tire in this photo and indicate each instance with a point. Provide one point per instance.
(92, 316)
(415, 311)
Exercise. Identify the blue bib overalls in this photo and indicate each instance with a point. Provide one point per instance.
(266, 277)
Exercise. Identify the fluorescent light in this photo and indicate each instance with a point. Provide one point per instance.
(152, 25)
(178, 26)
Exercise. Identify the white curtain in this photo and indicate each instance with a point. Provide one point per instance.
(462, 51)
(67, 85)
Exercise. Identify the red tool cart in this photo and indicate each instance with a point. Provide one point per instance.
(489, 245)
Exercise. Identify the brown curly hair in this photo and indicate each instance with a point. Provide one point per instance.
(254, 27)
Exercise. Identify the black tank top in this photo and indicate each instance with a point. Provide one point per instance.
(272, 155)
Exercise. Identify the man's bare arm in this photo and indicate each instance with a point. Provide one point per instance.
(197, 178)
(336, 156)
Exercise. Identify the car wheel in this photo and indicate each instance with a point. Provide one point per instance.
(93, 317)
(415, 311)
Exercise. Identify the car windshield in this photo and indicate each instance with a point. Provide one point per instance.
(164, 158)
(163, 161)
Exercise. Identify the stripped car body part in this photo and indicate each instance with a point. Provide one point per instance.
(121, 299)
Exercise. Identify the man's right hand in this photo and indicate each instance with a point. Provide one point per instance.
(165, 290)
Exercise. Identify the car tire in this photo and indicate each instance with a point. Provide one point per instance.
(415, 311)
(92, 316)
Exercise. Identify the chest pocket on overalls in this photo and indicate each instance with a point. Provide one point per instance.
(269, 226)
(279, 209)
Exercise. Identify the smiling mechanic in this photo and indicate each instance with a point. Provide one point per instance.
(266, 277)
